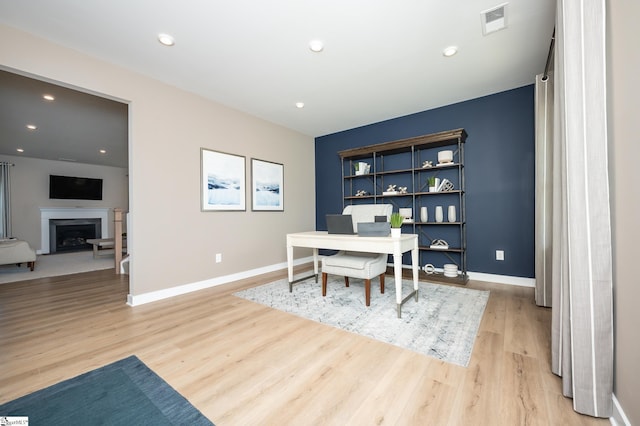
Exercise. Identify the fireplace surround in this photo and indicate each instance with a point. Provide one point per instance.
(56, 213)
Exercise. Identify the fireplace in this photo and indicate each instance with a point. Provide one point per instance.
(67, 235)
(55, 213)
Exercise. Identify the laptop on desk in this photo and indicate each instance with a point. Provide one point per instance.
(339, 224)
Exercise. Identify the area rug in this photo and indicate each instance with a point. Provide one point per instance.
(126, 392)
(443, 323)
(52, 265)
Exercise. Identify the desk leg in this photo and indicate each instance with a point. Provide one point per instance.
(397, 274)
(290, 266)
(397, 269)
(414, 264)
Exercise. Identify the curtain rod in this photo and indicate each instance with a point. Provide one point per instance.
(549, 56)
(2, 163)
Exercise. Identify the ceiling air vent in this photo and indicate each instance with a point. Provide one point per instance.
(494, 19)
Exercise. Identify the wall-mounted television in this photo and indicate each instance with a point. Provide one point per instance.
(74, 188)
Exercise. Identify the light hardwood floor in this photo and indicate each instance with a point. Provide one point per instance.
(245, 364)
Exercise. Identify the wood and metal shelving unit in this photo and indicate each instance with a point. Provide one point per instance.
(402, 163)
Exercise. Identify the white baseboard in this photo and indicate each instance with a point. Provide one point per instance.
(141, 299)
(200, 285)
(618, 418)
(502, 279)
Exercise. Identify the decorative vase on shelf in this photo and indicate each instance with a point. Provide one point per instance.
(451, 214)
(424, 214)
(439, 214)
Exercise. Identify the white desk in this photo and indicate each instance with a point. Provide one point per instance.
(395, 246)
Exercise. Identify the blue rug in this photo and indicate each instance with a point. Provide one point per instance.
(126, 392)
(443, 323)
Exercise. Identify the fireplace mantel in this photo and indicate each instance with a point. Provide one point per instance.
(47, 213)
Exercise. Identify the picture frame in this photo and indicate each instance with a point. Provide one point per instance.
(267, 185)
(222, 181)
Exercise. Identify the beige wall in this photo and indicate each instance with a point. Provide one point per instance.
(172, 242)
(30, 192)
(624, 156)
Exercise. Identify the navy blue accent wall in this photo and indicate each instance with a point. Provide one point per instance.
(499, 171)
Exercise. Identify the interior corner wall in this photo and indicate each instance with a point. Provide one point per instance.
(30, 192)
(499, 173)
(623, 109)
(171, 241)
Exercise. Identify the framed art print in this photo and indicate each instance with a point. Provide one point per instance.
(267, 180)
(222, 178)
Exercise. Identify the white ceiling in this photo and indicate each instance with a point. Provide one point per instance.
(382, 59)
(74, 127)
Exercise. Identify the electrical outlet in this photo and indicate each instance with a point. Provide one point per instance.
(218, 257)
(499, 254)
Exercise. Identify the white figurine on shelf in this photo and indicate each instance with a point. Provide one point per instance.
(361, 193)
(391, 188)
(402, 189)
(426, 164)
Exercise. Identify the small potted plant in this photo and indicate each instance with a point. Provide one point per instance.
(396, 224)
(431, 183)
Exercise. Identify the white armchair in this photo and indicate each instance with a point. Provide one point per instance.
(359, 265)
(18, 252)
(367, 212)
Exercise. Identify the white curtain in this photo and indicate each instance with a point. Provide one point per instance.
(5, 200)
(573, 236)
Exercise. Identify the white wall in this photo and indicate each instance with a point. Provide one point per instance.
(623, 69)
(30, 192)
(171, 241)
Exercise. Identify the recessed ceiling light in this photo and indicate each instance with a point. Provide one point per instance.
(299, 104)
(450, 51)
(316, 46)
(103, 151)
(20, 150)
(31, 126)
(166, 39)
(48, 97)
